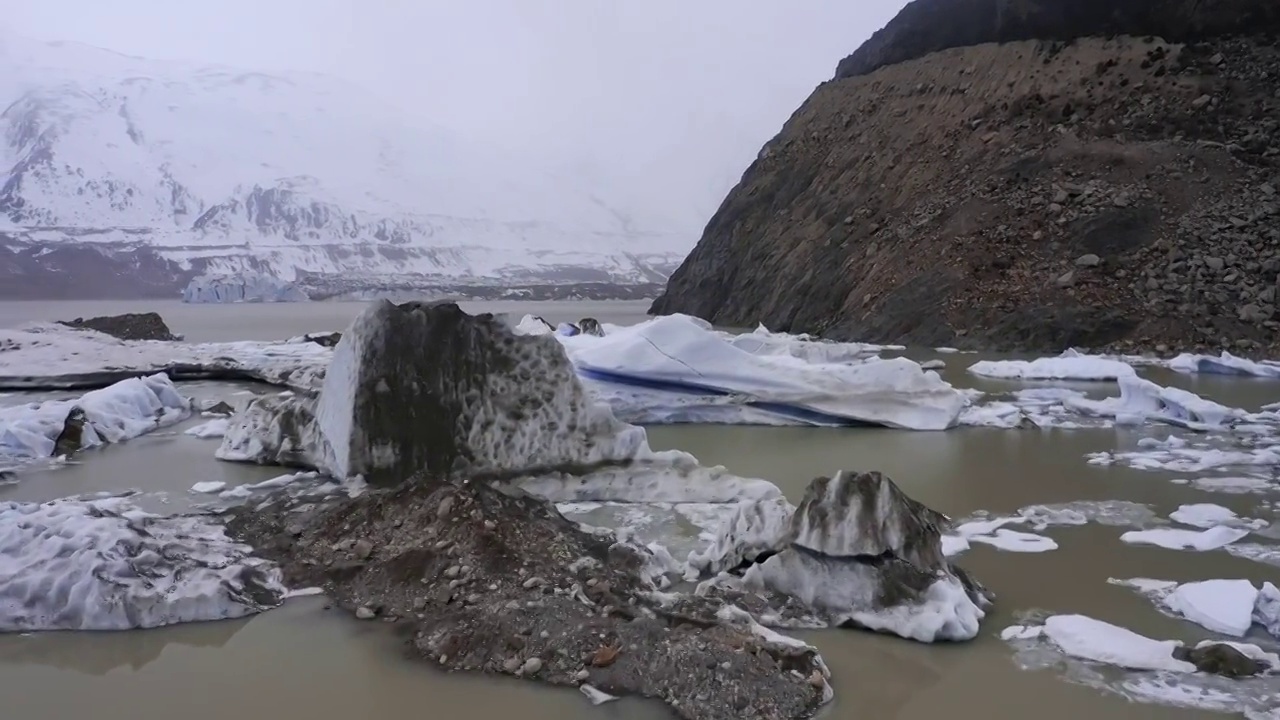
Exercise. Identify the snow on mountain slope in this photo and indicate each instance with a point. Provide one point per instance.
(222, 170)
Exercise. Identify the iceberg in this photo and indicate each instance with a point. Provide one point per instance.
(676, 369)
(103, 564)
(857, 552)
(122, 411)
(244, 287)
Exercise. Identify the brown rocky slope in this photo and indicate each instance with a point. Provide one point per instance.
(1032, 195)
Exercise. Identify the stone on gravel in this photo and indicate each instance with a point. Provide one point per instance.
(129, 326)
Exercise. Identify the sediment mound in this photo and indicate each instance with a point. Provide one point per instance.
(447, 414)
(1117, 191)
(129, 326)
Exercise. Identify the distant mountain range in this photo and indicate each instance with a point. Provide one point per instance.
(122, 176)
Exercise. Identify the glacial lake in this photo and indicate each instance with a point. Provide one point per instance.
(308, 662)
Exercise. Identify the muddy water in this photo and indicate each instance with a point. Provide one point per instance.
(303, 661)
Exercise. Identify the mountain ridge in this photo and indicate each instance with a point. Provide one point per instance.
(214, 169)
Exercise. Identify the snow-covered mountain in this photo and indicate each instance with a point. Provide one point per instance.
(211, 169)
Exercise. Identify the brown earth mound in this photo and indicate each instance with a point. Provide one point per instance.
(1033, 195)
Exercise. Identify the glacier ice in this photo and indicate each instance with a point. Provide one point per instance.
(241, 287)
(103, 564)
(119, 412)
(50, 355)
(856, 552)
(676, 369)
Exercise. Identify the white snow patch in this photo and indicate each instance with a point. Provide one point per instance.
(1071, 365)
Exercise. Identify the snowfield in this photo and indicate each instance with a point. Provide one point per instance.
(228, 170)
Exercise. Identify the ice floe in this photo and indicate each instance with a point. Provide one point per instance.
(124, 410)
(1196, 455)
(1224, 364)
(1221, 676)
(1180, 539)
(103, 564)
(215, 428)
(1228, 607)
(1071, 365)
(49, 356)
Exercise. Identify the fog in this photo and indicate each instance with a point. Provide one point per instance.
(664, 103)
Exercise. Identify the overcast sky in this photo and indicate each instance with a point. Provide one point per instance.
(667, 101)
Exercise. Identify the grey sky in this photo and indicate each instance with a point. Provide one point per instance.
(667, 101)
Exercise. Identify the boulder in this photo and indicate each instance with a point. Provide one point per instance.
(1220, 659)
(590, 326)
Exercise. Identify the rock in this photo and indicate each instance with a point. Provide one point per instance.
(130, 326)
(220, 408)
(511, 665)
(71, 439)
(323, 339)
(1215, 264)
(1066, 279)
(1089, 260)
(363, 549)
(1220, 659)
(364, 613)
(531, 667)
(590, 326)
(1201, 102)
(928, 26)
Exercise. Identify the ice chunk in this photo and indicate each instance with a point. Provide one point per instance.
(1141, 400)
(1266, 611)
(1225, 364)
(213, 429)
(1208, 515)
(701, 370)
(209, 486)
(103, 564)
(1089, 639)
(755, 528)
(50, 355)
(1177, 539)
(242, 287)
(125, 410)
(1071, 365)
(1223, 606)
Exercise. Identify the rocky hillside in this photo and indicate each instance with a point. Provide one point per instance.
(1114, 190)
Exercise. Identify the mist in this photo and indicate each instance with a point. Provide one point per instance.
(662, 103)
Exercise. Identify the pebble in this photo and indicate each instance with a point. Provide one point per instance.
(364, 613)
(1089, 260)
(452, 571)
(511, 664)
(531, 666)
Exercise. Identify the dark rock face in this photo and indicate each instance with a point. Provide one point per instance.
(130, 326)
(927, 26)
(32, 271)
(71, 439)
(956, 198)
